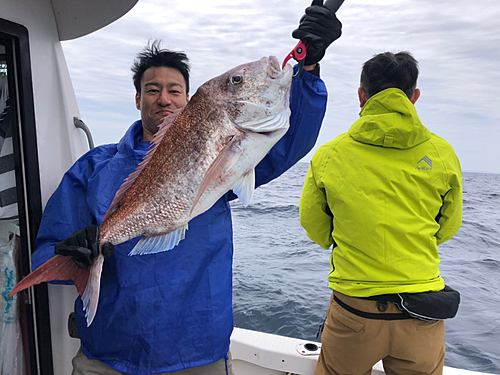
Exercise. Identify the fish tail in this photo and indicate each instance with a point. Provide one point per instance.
(90, 296)
(57, 268)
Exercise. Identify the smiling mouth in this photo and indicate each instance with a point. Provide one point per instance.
(164, 113)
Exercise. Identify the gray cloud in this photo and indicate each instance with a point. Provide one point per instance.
(456, 43)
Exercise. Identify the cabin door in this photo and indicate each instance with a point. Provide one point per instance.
(25, 344)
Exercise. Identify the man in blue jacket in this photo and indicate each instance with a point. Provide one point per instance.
(171, 311)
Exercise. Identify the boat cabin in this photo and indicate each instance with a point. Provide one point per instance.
(41, 135)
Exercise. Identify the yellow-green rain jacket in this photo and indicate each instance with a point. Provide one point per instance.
(385, 194)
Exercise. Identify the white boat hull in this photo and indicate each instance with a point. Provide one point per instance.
(258, 353)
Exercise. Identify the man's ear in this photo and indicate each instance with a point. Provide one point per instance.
(138, 101)
(362, 97)
(415, 96)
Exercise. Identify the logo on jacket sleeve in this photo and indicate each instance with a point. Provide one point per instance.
(424, 164)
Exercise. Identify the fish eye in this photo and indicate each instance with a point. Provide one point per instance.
(237, 79)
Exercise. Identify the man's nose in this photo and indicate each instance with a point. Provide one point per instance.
(164, 98)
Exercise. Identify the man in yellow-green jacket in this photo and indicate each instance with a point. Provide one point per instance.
(385, 195)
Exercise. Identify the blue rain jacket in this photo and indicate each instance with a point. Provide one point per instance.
(172, 310)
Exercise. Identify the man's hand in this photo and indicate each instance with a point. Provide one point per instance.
(318, 28)
(83, 246)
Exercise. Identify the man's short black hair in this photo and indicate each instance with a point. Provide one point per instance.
(154, 55)
(388, 70)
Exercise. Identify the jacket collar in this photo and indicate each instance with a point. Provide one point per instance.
(131, 143)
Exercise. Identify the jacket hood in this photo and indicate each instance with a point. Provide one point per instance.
(131, 143)
(389, 119)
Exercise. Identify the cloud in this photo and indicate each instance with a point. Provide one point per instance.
(456, 44)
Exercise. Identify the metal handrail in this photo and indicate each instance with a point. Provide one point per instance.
(81, 125)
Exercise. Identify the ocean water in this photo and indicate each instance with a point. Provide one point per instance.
(280, 276)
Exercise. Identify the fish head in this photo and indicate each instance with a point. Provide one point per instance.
(255, 96)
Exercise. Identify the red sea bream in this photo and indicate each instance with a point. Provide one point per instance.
(198, 154)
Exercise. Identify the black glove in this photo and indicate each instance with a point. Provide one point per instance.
(318, 28)
(83, 246)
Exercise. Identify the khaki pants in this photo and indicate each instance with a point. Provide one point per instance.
(352, 344)
(84, 366)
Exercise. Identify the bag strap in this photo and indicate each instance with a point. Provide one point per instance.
(375, 316)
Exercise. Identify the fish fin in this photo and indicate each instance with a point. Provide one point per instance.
(158, 137)
(162, 129)
(158, 244)
(90, 296)
(224, 160)
(245, 186)
(57, 268)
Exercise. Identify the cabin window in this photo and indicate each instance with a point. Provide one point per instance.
(24, 319)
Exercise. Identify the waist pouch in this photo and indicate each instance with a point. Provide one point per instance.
(426, 306)
(431, 305)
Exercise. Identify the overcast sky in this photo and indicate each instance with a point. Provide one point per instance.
(457, 44)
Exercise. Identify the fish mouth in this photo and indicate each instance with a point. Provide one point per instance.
(274, 70)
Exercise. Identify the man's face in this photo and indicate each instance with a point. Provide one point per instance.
(163, 90)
